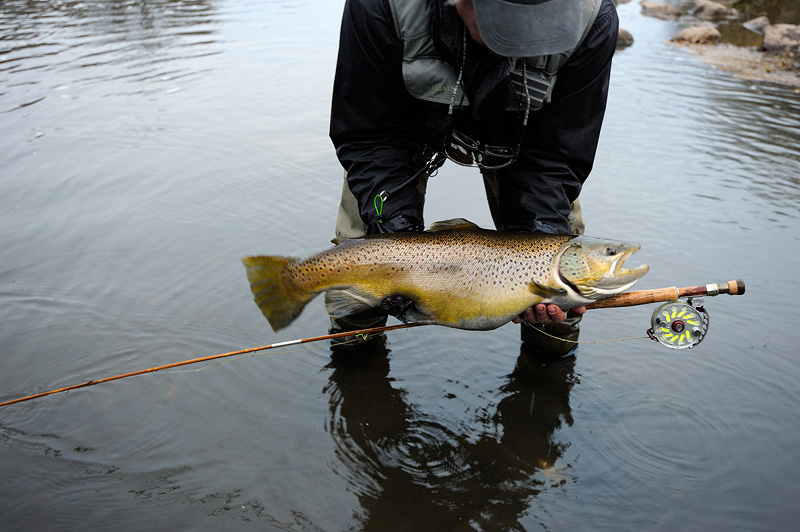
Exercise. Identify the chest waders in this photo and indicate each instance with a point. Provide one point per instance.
(427, 77)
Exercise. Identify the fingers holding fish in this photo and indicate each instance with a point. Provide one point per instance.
(545, 314)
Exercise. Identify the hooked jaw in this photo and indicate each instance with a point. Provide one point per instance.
(620, 279)
(594, 268)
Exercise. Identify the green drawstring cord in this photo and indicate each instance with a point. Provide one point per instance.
(436, 160)
(378, 203)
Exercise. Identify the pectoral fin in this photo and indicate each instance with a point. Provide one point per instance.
(545, 291)
(339, 303)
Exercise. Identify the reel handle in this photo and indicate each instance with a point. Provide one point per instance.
(656, 295)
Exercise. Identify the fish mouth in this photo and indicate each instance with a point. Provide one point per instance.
(634, 274)
(620, 278)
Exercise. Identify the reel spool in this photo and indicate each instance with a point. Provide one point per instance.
(679, 324)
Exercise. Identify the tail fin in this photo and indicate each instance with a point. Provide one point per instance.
(279, 304)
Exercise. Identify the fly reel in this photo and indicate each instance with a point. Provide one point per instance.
(679, 324)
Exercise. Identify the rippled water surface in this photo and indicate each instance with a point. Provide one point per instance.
(147, 146)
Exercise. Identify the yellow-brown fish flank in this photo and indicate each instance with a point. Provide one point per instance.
(459, 275)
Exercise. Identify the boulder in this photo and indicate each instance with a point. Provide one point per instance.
(782, 38)
(757, 25)
(659, 10)
(624, 39)
(708, 10)
(698, 35)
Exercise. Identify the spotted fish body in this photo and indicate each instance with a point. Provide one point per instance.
(457, 275)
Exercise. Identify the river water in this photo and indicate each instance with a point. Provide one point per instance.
(147, 146)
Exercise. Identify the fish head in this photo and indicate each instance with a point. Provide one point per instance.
(593, 267)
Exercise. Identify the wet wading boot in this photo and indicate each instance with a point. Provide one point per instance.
(564, 345)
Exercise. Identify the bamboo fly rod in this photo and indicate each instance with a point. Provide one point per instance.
(363, 332)
(627, 299)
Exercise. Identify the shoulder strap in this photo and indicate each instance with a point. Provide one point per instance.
(425, 75)
(542, 70)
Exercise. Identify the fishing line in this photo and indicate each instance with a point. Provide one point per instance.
(358, 336)
(582, 341)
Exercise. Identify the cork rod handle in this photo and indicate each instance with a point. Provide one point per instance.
(643, 297)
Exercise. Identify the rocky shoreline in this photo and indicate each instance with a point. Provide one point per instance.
(749, 63)
(776, 59)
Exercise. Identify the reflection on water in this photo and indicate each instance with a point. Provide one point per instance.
(84, 44)
(412, 469)
(747, 126)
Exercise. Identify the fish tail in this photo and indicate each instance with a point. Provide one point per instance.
(279, 303)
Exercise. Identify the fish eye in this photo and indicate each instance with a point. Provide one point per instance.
(611, 252)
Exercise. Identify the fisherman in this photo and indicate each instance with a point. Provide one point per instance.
(516, 88)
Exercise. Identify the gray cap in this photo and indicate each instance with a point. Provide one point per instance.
(526, 28)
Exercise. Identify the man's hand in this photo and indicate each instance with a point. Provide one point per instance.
(545, 314)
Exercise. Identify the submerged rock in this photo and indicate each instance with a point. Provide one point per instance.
(659, 10)
(708, 10)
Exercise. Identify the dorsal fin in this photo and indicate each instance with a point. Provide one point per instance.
(339, 239)
(455, 223)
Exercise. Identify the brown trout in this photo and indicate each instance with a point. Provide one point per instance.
(456, 274)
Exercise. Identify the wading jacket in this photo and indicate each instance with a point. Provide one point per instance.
(384, 134)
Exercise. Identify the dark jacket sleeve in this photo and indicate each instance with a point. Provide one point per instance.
(560, 140)
(374, 120)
